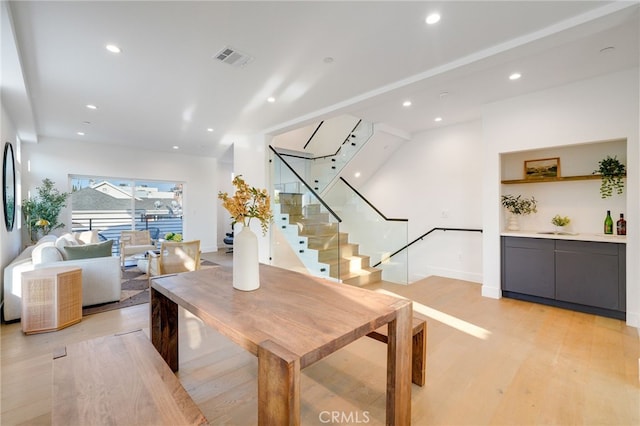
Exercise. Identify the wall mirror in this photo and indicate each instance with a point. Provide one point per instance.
(9, 187)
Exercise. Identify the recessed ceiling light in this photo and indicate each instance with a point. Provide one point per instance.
(86, 123)
(91, 106)
(175, 147)
(406, 104)
(113, 48)
(432, 18)
(437, 119)
(271, 99)
(80, 133)
(515, 76)
(210, 129)
(357, 174)
(328, 60)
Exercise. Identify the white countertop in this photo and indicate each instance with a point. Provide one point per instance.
(602, 238)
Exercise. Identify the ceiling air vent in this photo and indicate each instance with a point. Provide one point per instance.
(231, 56)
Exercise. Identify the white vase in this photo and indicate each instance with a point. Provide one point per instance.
(246, 276)
(513, 224)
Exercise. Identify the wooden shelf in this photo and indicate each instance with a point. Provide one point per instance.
(553, 179)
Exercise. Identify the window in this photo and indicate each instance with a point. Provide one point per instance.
(111, 205)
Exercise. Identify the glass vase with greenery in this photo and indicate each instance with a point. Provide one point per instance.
(519, 205)
(42, 211)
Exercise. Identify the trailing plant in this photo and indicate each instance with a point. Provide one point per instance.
(41, 212)
(612, 171)
(519, 205)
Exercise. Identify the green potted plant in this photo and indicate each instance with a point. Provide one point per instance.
(611, 171)
(560, 222)
(518, 205)
(173, 236)
(41, 212)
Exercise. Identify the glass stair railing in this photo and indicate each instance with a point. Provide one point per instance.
(376, 235)
(311, 236)
(306, 232)
(319, 171)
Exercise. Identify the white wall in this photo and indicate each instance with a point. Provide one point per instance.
(434, 180)
(250, 159)
(10, 242)
(597, 109)
(225, 170)
(56, 160)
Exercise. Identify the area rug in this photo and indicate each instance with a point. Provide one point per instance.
(134, 290)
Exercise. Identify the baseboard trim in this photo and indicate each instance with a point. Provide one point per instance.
(455, 274)
(633, 320)
(209, 249)
(491, 292)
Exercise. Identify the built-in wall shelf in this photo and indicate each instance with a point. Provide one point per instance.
(553, 179)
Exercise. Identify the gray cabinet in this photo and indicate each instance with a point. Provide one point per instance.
(581, 275)
(587, 273)
(528, 266)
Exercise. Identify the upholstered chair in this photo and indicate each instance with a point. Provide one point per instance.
(134, 242)
(175, 257)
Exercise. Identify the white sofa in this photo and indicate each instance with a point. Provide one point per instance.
(100, 275)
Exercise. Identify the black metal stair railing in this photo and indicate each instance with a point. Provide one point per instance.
(307, 186)
(421, 237)
(372, 231)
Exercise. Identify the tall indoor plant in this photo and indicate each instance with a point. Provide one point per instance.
(247, 203)
(41, 213)
(516, 206)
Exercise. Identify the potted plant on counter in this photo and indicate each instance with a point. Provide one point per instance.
(560, 222)
(516, 206)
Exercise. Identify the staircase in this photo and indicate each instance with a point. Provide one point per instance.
(320, 245)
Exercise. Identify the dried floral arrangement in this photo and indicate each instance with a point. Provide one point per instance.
(247, 203)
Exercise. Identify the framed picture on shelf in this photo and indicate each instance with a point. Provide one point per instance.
(542, 168)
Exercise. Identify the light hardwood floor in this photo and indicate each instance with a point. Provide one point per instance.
(489, 362)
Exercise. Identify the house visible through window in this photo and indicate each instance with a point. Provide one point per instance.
(110, 205)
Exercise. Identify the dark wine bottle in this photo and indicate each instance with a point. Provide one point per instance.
(621, 225)
(608, 223)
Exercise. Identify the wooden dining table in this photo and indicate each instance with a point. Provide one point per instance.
(289, 323)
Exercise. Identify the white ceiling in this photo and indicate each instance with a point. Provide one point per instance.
(165, 88)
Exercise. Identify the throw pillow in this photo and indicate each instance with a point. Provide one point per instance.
(86, 237)
(63, 241)
(50, 254)
(87, 251)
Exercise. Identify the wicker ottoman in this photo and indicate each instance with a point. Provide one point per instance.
(51, 299)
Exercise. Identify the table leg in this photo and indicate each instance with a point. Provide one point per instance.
(278, 385)
(399, 367)
(164, 328)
